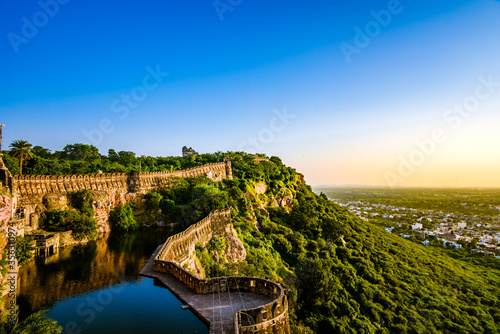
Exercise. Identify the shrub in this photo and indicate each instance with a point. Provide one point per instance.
(82, 201)
(24, 248)
(153, 200)
(122, 218)
(80, 224)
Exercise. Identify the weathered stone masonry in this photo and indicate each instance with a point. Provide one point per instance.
(266, 319)
(33, 191)
(40, 185)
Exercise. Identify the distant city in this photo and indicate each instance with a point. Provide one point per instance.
(479, 233)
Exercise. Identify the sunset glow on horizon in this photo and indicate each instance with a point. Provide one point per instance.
(386, 93)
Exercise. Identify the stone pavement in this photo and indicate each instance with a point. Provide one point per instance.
(216, 310)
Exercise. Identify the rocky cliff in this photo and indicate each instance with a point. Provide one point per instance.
(5, 214)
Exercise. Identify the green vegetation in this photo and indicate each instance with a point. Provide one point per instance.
(122, 218)
(86, 159)
(212, 258)
(24, 250)
(346, 275)
(481, 202)
(79, 220)
(21, 150)
(186, 200)
(37, 323)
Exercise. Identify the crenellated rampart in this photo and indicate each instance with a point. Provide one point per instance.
(269, 318)
(154, 180)
(40, 185)
(34, 192)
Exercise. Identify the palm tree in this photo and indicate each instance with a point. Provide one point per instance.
(37, 323)
(21, 149)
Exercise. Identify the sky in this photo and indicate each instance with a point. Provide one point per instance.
(389, 93)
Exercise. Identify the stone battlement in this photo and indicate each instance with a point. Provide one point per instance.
(181, 246)
(32, 192)
(216, 171)
(40, 185)
(268, 318)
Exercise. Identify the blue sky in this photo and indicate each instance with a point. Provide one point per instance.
(267, 77)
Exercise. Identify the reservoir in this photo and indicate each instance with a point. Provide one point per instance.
(95, 288)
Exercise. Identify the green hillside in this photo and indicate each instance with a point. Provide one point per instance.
(344, 275)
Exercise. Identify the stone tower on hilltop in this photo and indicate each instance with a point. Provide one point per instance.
(188, 151)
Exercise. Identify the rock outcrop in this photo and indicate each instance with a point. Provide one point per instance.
(5, 215)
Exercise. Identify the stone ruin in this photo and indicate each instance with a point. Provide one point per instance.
(188, 151)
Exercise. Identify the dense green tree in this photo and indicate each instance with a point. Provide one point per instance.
(41, 152)
(81, 152)
(126, 158)
(152, 201)
(81, 225)
(21, 149)
(122, 218)
(112, 155)
(24, 250)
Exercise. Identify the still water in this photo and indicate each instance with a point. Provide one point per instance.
(95, 288)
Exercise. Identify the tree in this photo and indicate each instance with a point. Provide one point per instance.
(112, 155)
(126, 158)
(81, 152)
(41, 152)
(21, 149)
(24, 248)
(153, 200)
(122, 218)
(81, 225)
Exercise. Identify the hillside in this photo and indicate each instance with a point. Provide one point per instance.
(344, 275)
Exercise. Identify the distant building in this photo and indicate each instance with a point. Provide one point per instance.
(462, 225)
(188, 151)
(417, 226)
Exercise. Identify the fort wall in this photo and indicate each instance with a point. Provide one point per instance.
(36, 186)
(270, 318)
(29, 191)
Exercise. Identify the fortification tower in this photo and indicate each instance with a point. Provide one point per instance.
(188, 151)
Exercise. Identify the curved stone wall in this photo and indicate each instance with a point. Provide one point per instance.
(269, 318)
(154, 180)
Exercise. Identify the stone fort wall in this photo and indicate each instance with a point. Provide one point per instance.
(40, 185)
(32, 191)
(270, 318)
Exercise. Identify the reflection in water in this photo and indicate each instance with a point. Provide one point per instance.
(126, 308)
(95, 288)
(79, 269)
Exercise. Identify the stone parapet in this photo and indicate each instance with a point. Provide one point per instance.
(270, 318)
